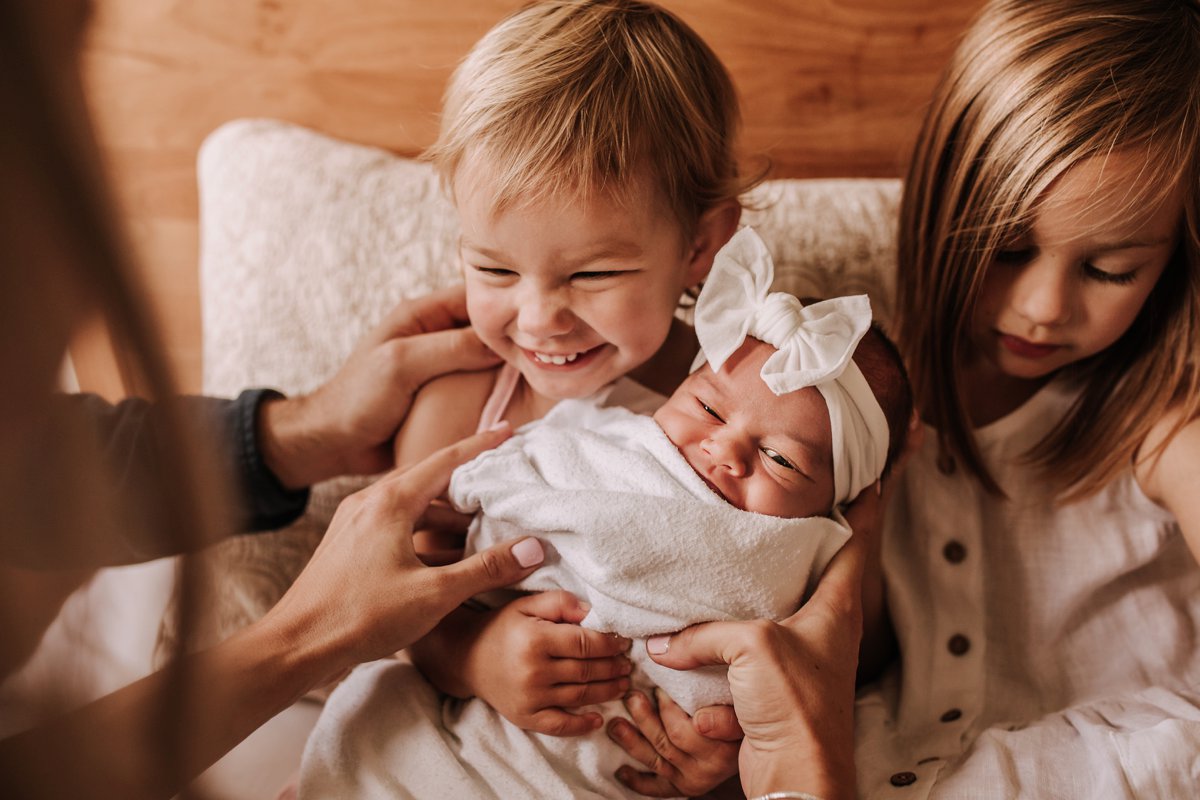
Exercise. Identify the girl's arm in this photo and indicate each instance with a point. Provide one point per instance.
(1171, 478)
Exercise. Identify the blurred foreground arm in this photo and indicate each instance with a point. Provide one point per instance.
(363, 596)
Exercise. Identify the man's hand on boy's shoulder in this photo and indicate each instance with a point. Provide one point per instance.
(346, 426)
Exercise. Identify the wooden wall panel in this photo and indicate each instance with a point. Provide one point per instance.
(829, 88)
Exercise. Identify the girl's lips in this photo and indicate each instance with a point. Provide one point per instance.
(1026, 349)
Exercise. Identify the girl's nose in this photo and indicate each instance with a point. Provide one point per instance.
(543, 315)
(1041, 293)
(726, 453)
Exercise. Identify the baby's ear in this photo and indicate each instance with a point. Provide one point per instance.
(715, 227)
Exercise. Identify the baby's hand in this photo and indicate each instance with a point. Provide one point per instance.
(531, 661)
(681, 761)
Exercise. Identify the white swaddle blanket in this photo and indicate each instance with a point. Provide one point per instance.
(629, 527)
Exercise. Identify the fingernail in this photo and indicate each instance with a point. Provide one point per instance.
(657, 645)
(501, 425)
(704, 720)
(528, 552)
(585, 606)
(878, 488)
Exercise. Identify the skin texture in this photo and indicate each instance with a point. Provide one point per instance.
(761, 452)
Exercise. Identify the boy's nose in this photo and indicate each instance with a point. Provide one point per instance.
(1041, 293)
(543, 315)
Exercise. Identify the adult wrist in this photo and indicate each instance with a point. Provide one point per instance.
(804, 770)
(291, 449)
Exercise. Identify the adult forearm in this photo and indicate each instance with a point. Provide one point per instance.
(154, 736)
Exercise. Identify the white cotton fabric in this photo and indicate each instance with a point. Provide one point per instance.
(1082, 676)
(814, 347)
(629, 527)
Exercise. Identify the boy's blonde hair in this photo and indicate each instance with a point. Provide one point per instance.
(1036, 87)
(572, 97)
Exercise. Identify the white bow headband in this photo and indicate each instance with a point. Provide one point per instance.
(815, 348)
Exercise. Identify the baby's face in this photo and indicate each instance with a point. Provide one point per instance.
(761, 452)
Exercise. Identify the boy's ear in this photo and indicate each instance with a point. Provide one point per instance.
(715, 227)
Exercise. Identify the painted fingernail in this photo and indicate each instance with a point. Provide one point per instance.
(528, 552)
(657, 645)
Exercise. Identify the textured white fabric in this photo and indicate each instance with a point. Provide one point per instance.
(1081, 678)
(814, 347)
(307, 241)
(630, 528)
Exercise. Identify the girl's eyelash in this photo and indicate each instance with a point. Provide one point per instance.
(1119, 278)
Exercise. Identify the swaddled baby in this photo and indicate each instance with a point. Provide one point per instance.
(724, 505)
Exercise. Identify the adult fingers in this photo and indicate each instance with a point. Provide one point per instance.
(500, 565)
(444, 522)
(455, 350)
(413, 489)
(701, 645)
(436, 311)
(718, 722)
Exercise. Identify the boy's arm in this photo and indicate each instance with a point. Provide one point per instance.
(549, 662)
(444, 410)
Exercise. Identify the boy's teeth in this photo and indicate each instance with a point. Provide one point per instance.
(546, 358)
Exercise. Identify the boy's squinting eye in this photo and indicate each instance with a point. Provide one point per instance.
(709, 411)
(594, 275)
(499, 272)
(775, 456)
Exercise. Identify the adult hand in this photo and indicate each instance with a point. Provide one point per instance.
(346, 426)
(365, 594)
(792, 682)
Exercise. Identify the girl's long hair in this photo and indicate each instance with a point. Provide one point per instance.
(1036, 87)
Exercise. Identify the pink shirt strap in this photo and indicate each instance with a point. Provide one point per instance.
(502, 392)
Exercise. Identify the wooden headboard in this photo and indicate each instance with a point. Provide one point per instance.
(828, 88)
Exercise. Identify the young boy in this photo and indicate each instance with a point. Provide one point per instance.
(724, 505)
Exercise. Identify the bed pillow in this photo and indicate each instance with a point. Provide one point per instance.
(307, 241)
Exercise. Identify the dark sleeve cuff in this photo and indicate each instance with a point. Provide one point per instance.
(268, 503)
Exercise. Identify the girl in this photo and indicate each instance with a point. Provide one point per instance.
(1037, 550)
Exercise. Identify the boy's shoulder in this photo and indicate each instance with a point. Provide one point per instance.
(443, 411)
